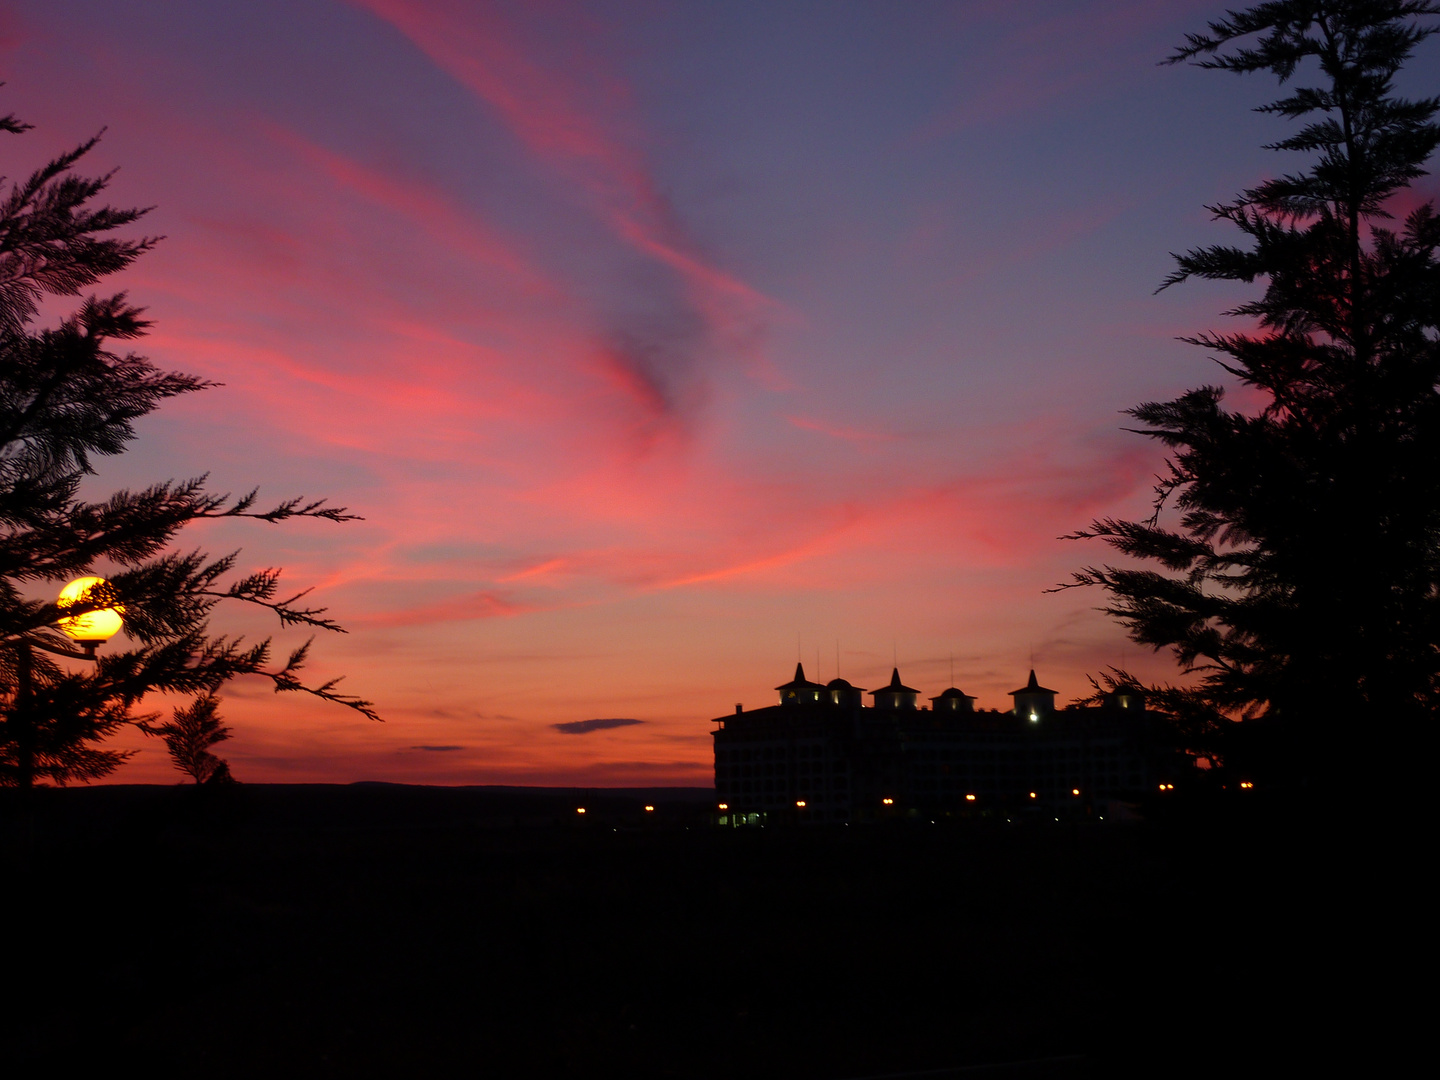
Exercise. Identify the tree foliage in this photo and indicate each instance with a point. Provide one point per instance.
(70, 394)
(1292, 562)
(190, 735)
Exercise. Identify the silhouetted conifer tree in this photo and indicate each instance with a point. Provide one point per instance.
(190, 734)
(1298, 542)
(66, 396)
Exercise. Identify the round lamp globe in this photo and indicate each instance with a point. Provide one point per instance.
(93, 626)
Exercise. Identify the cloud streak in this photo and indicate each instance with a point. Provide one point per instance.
(585, 727)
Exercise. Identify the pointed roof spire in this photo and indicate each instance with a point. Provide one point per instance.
(800, 682)
(1033, 687)
(896, 686)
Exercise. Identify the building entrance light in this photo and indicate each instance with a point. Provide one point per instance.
(91, 628)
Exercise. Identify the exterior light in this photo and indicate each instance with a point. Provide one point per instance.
(800, 803)
(969, 798)
(648, 809)
(1032, 795)
(580, 809)
(888, 802)
(1074, 791)
(1246, 784)
(1034, 718)
(724, 806)
(94, 627)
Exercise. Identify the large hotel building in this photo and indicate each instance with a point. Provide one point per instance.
(822, 754)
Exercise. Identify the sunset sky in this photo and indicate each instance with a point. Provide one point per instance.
(653, 341)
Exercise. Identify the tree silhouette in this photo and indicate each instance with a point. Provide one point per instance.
(1294, 549)
(67, 396)
(189, 735)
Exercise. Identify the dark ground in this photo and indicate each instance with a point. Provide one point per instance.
(383, 930)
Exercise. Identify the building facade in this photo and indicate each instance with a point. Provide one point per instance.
(822, 754)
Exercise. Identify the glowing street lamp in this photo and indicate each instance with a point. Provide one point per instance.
(93, 628)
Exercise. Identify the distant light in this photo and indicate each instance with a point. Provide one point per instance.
(800, 803)
(1074, 791)
(580, 809)
(1034, 718)
(93, 626)
(724, 806)
(888, 802)
(648, 809)
(969, 798)
(1032, 795)
(1246, 784)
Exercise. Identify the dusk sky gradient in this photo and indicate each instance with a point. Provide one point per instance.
(651, 339)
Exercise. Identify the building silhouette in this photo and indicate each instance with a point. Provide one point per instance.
(822, 754)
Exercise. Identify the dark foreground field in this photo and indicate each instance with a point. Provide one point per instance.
(375, 930)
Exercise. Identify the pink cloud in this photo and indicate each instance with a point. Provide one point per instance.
(572, 120)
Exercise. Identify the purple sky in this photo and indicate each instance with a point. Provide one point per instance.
(651, 339)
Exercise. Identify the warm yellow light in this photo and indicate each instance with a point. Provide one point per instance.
(94, 626)
(1032, 795)
(580, 809)
(969, 798)
(1074, 791)
(648, 809)
(724, 806)
(800, 803)
(1246, 784)
(888, 802)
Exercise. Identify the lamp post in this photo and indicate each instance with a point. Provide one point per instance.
(92, 628)
(89, 630)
